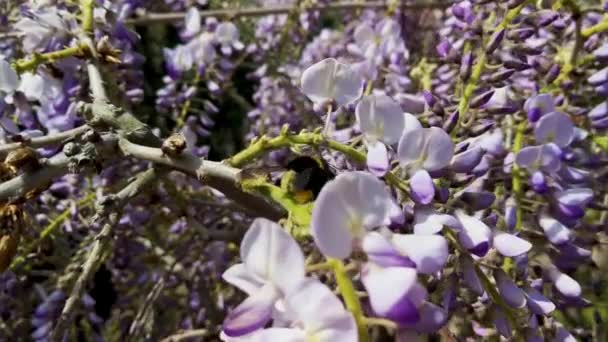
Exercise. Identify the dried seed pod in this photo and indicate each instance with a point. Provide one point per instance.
(174, 145)
(12, 220)
(24, 158)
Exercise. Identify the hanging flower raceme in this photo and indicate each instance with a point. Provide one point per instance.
(421, 151)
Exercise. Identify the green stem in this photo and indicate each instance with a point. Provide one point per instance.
(517, 184)
(347, 290)
(597, 28)
(87, 8)
(264, 144)
(37, 59)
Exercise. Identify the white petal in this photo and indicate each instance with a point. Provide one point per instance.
(192, 24)
(380, 118)
(272, 254)
(429, 252)
(411, 123)
(348, 85)
(377, 159)
(555, 231)
(238, 275)
(401, 279)
(226, 33)
(8, 77)
(411, 147)
(511, 245)
(314, 305)
(440, 149)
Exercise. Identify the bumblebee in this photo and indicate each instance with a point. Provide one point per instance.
(309, 176)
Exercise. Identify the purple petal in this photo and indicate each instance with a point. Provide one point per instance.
(466, 161)
(428, 221)
(380, 118)
(575, 197)
(252, 314)
(395, 304)
(429, 252)
(554, 127)
(469, 276)
(555, 231)
(539, 105)
(422, 187)
(563, 335)
(501, 323)
(511, 245)
(271, 253)
(564, 284)
(377, 159)
(599, 77)
(475, 235)
(432, 318)
(538, 303)
(380, 251)
(509, 291)
(346, 208)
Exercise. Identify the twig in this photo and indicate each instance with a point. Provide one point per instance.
(282, 9)
(101, 246)
(31, 64)
(96, 83)
(597, 28)
(51, 139)
(19, 186)
(52, 168)
(215, 174)
(184, 335)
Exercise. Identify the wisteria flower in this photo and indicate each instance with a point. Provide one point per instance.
(378, 41)
(346, 208)
(273, 265)
(382, 122)
(421, 151)
(331, 81)
(316, 315)
(555, 128)
(227, 35)
(542, 157)
(9, 80)
(192, 23)
(478, 238)
(539, 105)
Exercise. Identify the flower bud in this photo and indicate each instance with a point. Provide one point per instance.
(495, 41)
(501, 75)
(513, 63)
(466, 64)
(450, 122)
(520, 34)
(481, 99)
(553, 73)
(511, 4)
